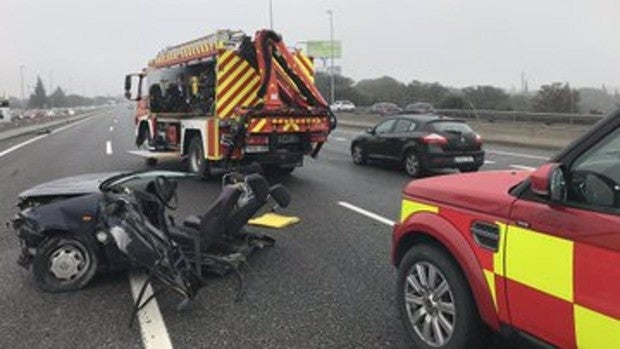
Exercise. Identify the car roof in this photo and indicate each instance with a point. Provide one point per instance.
(421, 117)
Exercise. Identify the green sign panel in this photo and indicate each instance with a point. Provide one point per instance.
(322, 49)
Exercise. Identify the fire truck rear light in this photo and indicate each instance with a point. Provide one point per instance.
(434, 138)
(257, 140)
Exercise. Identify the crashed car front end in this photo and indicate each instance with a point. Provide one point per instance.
(30, 236)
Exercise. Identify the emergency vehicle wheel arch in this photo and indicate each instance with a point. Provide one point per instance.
(188, 134)
(426, 227)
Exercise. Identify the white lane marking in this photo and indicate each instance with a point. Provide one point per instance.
(34, 139)
(22, 144)
(116, 121)
(108, 148)
(340, 139)
(520, 155)
(366, 213)
(489, 162)
(66, 127)
(111, 128)
(152, 326)
(521, 167)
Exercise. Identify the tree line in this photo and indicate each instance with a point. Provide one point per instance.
(59, 99)
(554, 97)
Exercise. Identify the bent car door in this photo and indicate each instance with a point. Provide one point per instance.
(562, 260)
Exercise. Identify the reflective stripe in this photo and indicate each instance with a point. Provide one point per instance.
(259, 126)
(595, 330)
(490, 277)
(499, 256)
(540, 261)
(410, 207)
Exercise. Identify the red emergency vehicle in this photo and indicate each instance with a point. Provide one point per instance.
(533, 254)
(227, 99)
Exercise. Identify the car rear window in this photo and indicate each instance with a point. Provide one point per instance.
(449, 126)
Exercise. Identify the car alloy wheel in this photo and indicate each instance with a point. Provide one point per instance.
(430, 304)
(412, 164)
(358, 154)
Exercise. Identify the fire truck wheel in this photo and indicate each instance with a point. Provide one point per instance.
(195, 157)
(435, 302)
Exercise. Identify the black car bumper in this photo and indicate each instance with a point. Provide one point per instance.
(460, 160)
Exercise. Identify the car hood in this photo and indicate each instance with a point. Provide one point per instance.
(69, 186)
(486, 192)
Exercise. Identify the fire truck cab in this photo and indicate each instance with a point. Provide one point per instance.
(225, 100)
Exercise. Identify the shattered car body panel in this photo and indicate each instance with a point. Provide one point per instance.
(71, 228)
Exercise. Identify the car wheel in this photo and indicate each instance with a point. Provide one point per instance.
(64, 263)
(412, 164)
(196, 160)
(358, 154)
(436, 305)
(469, 169)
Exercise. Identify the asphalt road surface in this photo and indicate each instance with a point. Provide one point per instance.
(327, 283)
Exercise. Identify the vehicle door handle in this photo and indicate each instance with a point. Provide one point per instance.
(486, 235)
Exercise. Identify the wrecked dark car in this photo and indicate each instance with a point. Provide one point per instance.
(71, 228)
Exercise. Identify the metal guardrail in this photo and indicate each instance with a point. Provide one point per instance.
(514, 116)
(520, 116)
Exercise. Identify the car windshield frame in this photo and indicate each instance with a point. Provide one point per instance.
(125, 178)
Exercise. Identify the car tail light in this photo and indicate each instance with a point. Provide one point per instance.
(478, 139)
(257, 140)
(434, 138)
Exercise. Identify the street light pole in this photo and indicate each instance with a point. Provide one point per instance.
(21, 78)
(271, 14)
(331, 56)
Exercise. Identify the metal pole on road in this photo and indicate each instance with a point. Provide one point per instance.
(21, 78)
(271, 14)
(331, 56)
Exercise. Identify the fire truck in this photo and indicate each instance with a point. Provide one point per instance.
(227, 99)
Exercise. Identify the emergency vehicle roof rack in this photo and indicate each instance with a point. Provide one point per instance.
(198, 49)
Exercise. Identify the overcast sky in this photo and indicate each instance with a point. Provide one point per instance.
(91, 44)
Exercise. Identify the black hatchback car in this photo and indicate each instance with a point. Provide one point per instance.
(421, 143)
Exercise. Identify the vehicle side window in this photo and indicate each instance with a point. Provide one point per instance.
(403, 126)
(385, 127)
(594, 177)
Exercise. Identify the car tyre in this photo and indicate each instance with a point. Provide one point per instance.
(468, 331)
(64, 263)
(196, 161)
(358, 154)
(412, 165)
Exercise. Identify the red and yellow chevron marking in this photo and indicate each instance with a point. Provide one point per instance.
(284, 125)
(237, 84)
(306, 64)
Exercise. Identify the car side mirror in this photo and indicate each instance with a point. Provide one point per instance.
(549, 181)
(370, 131)
(132, 91)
